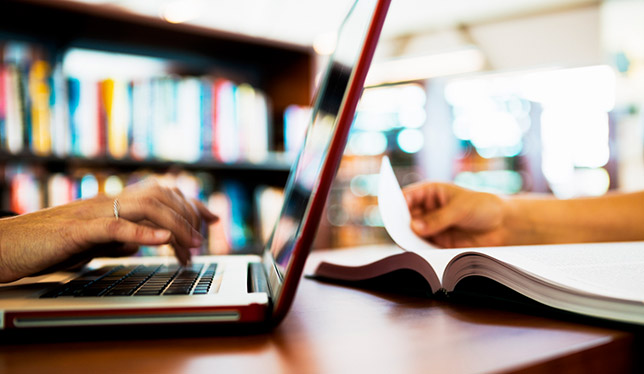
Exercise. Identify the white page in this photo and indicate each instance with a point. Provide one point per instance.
(397, 221)
(613, 270)
(394, 212)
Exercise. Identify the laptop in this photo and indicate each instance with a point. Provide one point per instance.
(245, 289)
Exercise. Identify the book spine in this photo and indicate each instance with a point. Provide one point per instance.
(73, 90)
(3, 106)
(116, 108)
(40, 97)
(296, 121)
(103, 96)
(14, 118)
(129, 137)
(207, 105)
(60, 114)
(142, 119)
(25, 107)
(226, 136)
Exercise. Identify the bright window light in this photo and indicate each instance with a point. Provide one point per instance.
(324, 43)
(410, 140)
(493, 114)
(424, 67)
(412, 117)
(83, 63)
(589, 87)
(180, 11)
(495, 181)
(495, 129)
(367, 143)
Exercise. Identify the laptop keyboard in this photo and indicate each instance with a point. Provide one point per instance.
(139, 280)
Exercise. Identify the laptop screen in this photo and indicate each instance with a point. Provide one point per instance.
(305, 174)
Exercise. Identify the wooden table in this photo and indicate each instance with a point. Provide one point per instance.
(337, 329)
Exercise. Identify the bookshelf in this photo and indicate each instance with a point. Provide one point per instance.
(279, 76)
(283, 71)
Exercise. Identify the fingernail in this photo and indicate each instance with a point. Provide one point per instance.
(161, 234)
(418, 225)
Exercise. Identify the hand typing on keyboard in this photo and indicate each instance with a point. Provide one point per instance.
(142, 214)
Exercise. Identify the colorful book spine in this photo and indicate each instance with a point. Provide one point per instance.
(3, 106)
(226, 145)
(241, 227)
(296, 121)
(207, 117)
(40, 94)
(252, 121)
(74, 92)
(14, 121)
(85, 117)
(166, 117)
(26, 194)
(185, 130)
(60, 114)
(116, 110)
(103, 95)
(142, 119)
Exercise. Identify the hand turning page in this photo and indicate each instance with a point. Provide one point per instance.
(596, 279)
(394, 211)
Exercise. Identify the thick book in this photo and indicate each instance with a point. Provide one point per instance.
(604, 280)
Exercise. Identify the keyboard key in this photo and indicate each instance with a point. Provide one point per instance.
(120, 292)
(139, 280)
(147, 293)
(177, 292)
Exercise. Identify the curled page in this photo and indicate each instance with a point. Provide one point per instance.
(394, 211)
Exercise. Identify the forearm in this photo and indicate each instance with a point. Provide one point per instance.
(614, 217)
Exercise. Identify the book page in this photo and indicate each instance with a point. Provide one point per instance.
(612, 270)
(397, 221)
(394, 212)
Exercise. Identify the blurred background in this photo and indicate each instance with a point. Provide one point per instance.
(539, 96)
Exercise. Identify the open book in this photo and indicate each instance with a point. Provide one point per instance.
(604, 280)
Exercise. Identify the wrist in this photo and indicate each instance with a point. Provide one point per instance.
(517, 226)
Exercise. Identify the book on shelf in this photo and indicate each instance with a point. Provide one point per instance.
(14, 121)
(225, 129)
(268, 205)
(602, 280)
(47, 107)
(296, 121)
